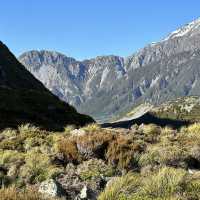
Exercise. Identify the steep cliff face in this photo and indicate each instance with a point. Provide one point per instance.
(24, 99)
(108, 85)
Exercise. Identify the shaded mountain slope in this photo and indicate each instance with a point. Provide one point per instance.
(23, 99)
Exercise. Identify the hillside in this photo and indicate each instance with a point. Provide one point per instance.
(175, 113)
(25, 100)
(108, 85)
(93, 163)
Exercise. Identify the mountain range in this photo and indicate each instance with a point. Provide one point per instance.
(106, 86)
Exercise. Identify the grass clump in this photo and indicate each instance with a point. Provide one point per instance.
(94, 168)
(164, 154)
(121, 188)
(166, 184)
(12, 193)
(24, 128)
(68, 148)
(37, 167)
(193, 130)
(123, 152)
(93, 127)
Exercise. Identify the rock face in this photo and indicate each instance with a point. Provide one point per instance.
(108, 85)
(24, 99)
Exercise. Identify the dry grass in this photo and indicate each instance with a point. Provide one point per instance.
(13, 193)
(122, 151)
(69, 149)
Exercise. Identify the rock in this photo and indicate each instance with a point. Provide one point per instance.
(72, 185)
(50, 188)
(77, 189)
(77, 132)
(12, 172)
(83, 193)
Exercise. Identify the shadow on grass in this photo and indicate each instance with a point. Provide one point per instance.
(148, 118)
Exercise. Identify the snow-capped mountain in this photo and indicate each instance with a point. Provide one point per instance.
(108, 85)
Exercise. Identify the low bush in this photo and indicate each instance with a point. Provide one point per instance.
(94, 168)
(123, 152)
(164, 154)
(68, 148)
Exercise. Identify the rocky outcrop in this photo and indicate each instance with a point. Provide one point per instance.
(76, 187)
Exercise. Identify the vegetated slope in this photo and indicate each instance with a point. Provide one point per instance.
(185, 108)
(24, 99)
(144, 162)
(174, 113)
(108, 85)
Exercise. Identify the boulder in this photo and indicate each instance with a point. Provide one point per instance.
(50, 188)
(83, 193)
(78, 132)
(12, 172)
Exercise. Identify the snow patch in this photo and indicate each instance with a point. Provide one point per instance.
(184, 30)
(104, 75)
(154, 81)
(194, 83)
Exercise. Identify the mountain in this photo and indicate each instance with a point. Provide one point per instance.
(23, 99)
(108, 85)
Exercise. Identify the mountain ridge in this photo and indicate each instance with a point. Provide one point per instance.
(106, 85)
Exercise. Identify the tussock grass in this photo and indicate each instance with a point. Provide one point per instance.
(13, 193)
(121, 188)
(29, 155)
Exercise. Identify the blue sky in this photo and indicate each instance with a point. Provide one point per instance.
(87, 28)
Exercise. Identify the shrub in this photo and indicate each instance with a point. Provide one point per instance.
(8, 157)
(24, 128)
(123, 152)
(92, 127)
(37, 167)
(9, 132)
(94, 168)
(164, 154)
(13, 143)
(94, 144)
(164, 184)
(192, 189)
(151, 132)
(68, 129)
(194, 129)
(69, 149)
